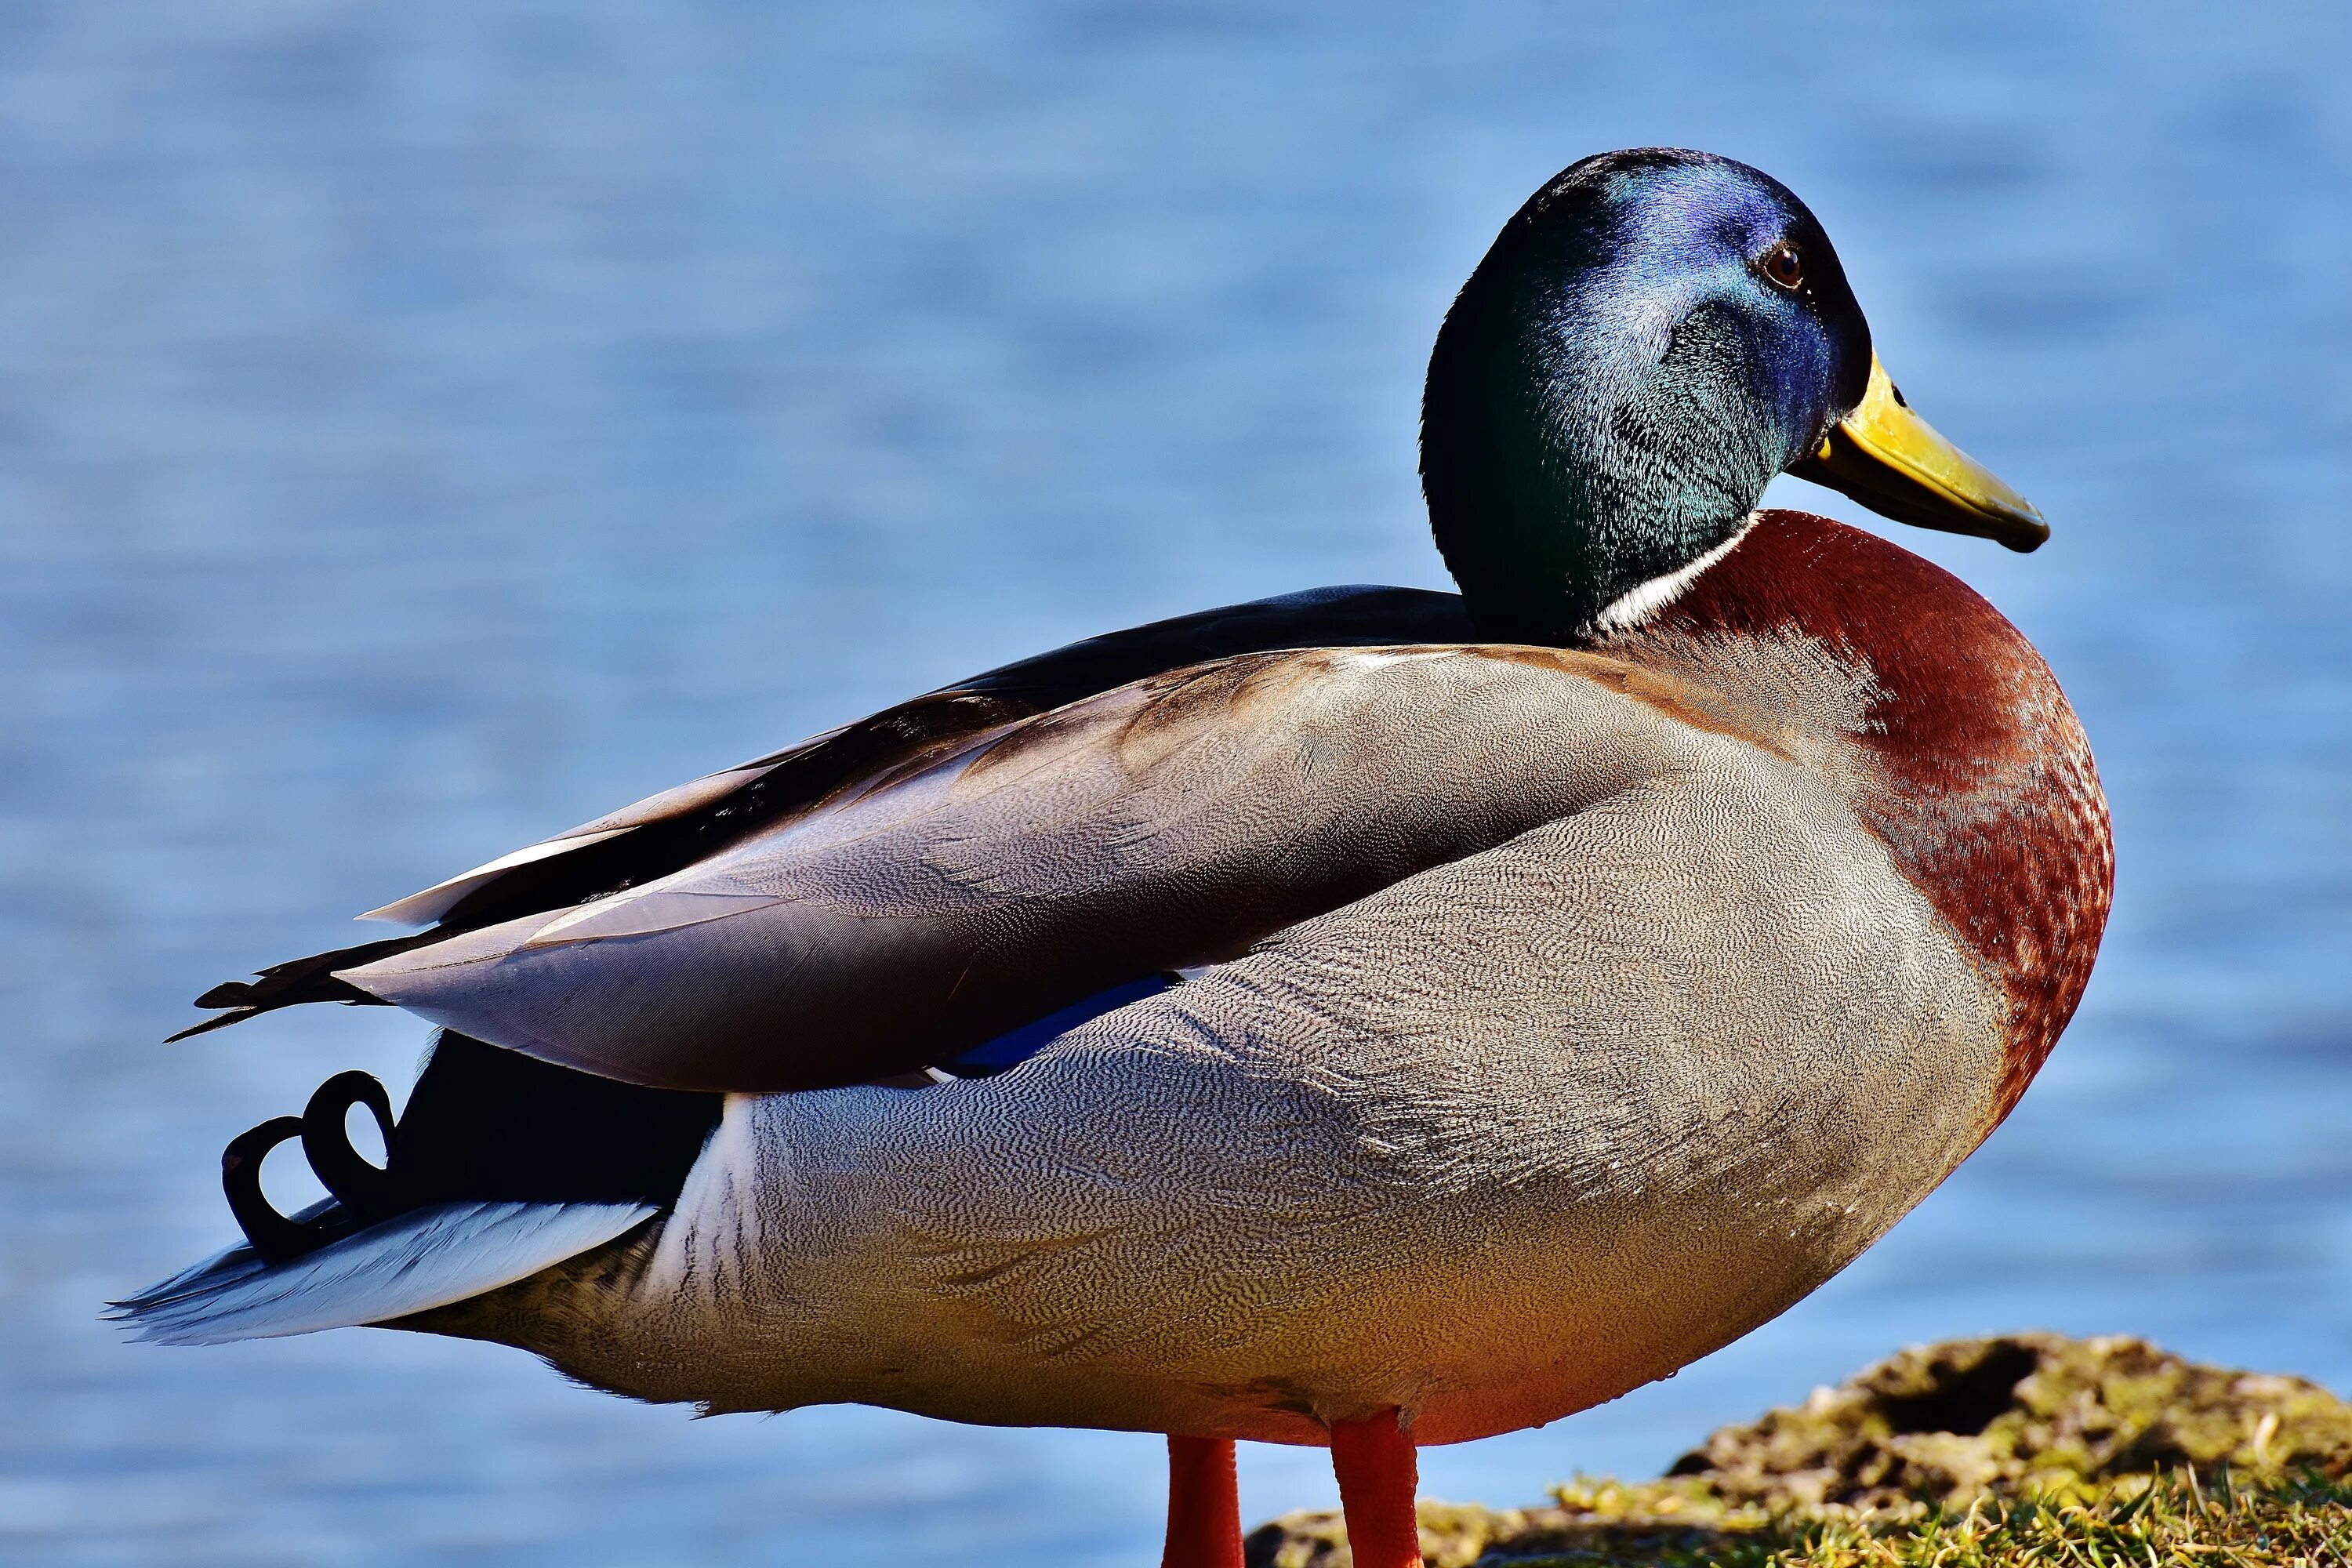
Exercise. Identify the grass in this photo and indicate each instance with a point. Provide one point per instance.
(1992, 1453)
(2158, 1521)
(2141, 1521)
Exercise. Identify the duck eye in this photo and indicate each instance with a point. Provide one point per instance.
(1784, 267)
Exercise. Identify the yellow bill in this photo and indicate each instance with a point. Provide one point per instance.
(1892, 461)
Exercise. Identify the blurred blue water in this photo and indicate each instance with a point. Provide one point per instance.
(422, 428)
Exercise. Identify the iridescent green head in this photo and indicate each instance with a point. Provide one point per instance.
(1653, 337)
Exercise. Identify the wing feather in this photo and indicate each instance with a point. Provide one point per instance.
(1167, 824)
(674, 829)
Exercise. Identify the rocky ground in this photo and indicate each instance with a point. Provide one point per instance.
(2027, 1448)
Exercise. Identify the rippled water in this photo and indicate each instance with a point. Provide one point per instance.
(421, 428)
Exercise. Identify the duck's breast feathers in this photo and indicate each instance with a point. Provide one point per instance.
(1965, 756)
(1170, 823)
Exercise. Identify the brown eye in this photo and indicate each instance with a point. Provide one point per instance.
(1782, 265)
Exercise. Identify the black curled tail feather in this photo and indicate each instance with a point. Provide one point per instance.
(482, 1125)
(371, 1192)
(268, 1233)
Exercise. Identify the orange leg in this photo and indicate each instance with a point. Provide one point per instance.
(1374, 1462)
(1204, 1506)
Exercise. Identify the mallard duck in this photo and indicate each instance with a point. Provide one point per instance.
(1369, 1017)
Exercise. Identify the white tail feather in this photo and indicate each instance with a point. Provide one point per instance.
(425, 1258)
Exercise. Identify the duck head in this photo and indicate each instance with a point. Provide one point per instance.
(1653, 337)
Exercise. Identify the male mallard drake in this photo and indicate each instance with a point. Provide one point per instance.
(1367, 1017)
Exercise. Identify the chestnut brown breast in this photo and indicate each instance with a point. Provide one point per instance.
(1953, 741)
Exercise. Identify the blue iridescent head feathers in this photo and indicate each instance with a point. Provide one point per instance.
(1653, 337)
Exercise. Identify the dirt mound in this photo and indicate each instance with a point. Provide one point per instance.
(2050, 1439)
(1954, 1422)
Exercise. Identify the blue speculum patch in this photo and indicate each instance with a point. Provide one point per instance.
(1018, 1045)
